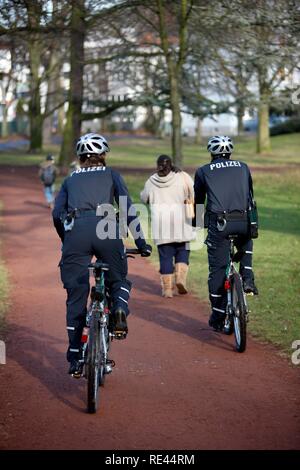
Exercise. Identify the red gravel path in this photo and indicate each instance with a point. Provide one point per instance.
(176, 384)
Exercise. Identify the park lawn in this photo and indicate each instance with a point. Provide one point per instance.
(137, 153)
(19, 157)
(275, 313)
(143, 153)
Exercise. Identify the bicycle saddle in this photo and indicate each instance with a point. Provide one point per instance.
(99, 265)
(232, 237)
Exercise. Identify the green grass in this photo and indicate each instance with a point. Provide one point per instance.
(275, 313)
(3, 289)
(143, 152)
(21, 158)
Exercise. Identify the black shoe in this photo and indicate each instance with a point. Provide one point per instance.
(119, 324)
(250, 287)
(76, 368)
(216, 323)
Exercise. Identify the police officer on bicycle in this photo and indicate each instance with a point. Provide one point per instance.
(226, 185)
(76, 218)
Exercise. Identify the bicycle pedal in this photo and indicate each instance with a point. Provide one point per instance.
(120, 334)
(76, 376)
(109, 366)
(111, 362)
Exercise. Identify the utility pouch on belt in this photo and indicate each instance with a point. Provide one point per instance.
(69, 221)
(233, 216)
(253, 219)
(221, 222)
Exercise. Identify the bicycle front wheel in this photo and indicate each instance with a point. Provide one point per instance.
(239, 313)
(93, 364)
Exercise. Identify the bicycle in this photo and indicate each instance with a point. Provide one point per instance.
(236, 310)
(97, 334)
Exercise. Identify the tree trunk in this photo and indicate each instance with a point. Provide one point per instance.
(198, 131)
(104, 125)
(174, 68)
(159, 118)
(73, 125)
(176, 122)
(4, 128)
(53, 95)
(61, 119)
(240, 116)
(35, 116)
(35, 53)
(263, 134)
(149, 122)
(47, 130)
(153, 120)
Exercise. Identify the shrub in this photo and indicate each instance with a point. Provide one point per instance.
(287, 127)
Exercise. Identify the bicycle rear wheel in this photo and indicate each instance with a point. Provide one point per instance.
(102, 358)
(239, 313)
(93, 366)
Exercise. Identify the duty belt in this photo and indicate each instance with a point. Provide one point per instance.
(85, 213)
(229, 216)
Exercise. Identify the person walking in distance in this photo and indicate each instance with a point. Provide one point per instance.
(48, 174)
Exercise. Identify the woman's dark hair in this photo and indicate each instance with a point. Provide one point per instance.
(165, 158)
(93, 159)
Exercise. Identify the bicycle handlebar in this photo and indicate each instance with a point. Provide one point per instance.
(132, 251)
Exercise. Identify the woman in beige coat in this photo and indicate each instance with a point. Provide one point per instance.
(169, 192)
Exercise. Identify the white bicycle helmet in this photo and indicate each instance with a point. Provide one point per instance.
(220, 144)
(91, 143)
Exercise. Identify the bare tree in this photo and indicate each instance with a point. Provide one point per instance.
(270, 49)
(34, 27)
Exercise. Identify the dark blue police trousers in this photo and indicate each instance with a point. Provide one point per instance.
(218, 247)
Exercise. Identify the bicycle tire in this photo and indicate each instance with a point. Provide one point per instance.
(239, 313)
(93, 358)
(102, 362)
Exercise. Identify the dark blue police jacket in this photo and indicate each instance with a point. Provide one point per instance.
(86, 189)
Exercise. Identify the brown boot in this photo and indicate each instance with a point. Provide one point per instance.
(181, 270)
(173, 284)
(167, 285)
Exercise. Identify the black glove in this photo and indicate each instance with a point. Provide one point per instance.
(146, 251)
